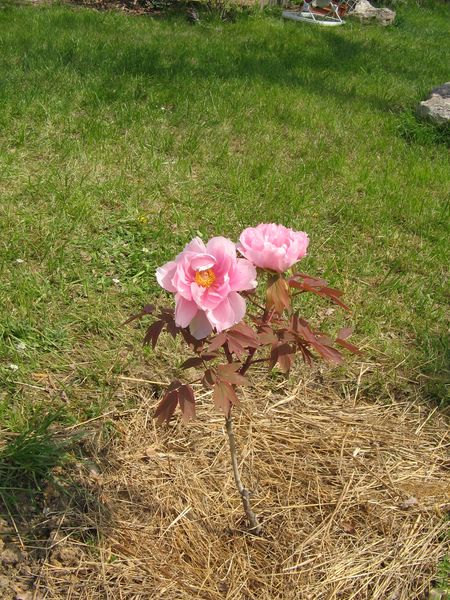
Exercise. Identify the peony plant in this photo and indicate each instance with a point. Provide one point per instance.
(234, 308)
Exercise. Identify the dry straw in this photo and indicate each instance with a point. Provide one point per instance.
(351, 495)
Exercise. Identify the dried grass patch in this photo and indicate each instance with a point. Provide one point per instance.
(351, 495)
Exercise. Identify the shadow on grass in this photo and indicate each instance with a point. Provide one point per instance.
(27, 460)
(329, 64)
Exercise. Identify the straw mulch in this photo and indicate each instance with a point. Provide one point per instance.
(352, 495)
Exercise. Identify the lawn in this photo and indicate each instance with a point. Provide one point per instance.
(123, 137)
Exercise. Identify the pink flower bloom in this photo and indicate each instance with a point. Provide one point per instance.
(205, 280)
(273, 247)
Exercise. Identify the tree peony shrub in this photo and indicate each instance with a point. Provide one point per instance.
(229, 323)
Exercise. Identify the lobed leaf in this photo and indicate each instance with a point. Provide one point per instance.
(146, 310)
(229, 374)
(186, 400)
(168, 404)
(153, 333)
(224, 397)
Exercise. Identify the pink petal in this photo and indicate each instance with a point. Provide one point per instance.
(201, 262)
(228, 312)
(196, 245)
(221, 247)
(165, 274)
(185, 311)
(183, 276)
(200, 327)
(243, 276)
(238, 305)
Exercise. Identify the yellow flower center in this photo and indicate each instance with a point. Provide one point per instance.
(205, 278)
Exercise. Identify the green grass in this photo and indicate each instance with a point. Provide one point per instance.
(122, 137)
(28, 458)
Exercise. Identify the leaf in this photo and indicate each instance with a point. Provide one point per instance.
(229, 374)
(305, 331)
(224, 396)
(209, 378)
(285, 362)
(329, 354)
(217, 341)
(278, 295)
(146, 310)
(235, 347)
(190, 339)
(306, 354)
(345, 333)
(267, 336)
(244, 334)
(334, 296)
(311, 281)
(348, 346)
(153, 333)
(279, 351)
(169, 402)
(172, 328)
(317, 287)
(186, 400)
(196, 361)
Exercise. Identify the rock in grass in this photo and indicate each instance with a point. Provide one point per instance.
(436, 107)
(366, 13)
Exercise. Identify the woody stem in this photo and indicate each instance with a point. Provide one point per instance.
(244, 493)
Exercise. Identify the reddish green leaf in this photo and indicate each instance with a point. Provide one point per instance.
(306, 354)
(172, 328)
(267, 336)
(285, 362)
(153, 333)
(305, 331)
(329, 354)
(169, 402)
(209, 378)
(186, 400)
(217, 341)
(345, 333)
(146, 310)
(190, 339)
(194, 361)
(224, 396)
(277, 351)
(229, 374)
(244, 335)
(348, 346)
(235, 346)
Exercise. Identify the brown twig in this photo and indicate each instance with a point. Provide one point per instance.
(245, 494)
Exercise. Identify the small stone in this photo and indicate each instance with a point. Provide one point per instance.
(366, 13)
(436, 107)
(411, 501)
(11, 555)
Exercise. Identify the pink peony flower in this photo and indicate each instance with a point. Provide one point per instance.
(205, 280)
(272, 246)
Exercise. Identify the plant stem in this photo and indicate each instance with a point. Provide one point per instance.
(245, 494)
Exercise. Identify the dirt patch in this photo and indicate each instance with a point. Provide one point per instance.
(351, 494)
